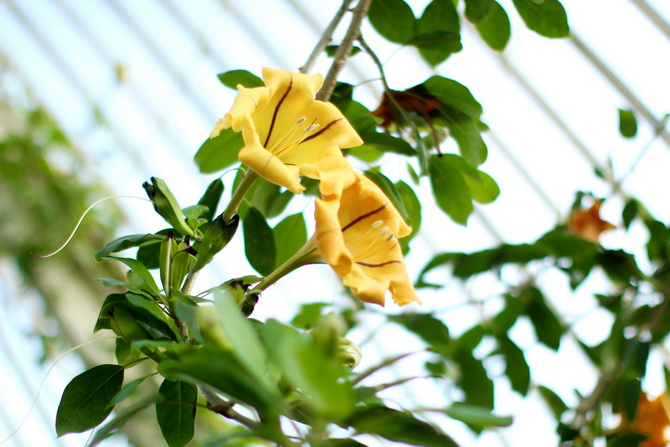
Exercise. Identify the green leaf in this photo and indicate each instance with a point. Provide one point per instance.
(217, 153)
(242, 337)
(546, 17)
(516, 367)
(430, 329)
(127, 391)
(122, 417)
(474, 381)
(412, 206)
(85, 401)
(478, 10)
(627, 123)
(176, 412)
(233, 78)
(385, 143)
(548, 328)
(290, 235)
(455, 94)
(166, 205)
(222, 370)
(309, 315)
(451, 192)
(630, 211)
(495, 29)
(485, 190)
(125, 242)
(142, 272)
(211, 198)
(389, 189)
(438, 32)
(393, 19)
(216, 237)
(311, 367)
(259, 243)
(555, 403)
(398, 426)
(332, 49)
(477, 417)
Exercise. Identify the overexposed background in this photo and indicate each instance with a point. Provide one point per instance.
(133, 85)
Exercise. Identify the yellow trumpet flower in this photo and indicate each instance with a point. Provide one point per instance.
(288, 133)
(357, 235)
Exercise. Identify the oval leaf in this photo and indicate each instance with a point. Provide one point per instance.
(85, 401)
(546, 17)
(259, 242)
(176, 412)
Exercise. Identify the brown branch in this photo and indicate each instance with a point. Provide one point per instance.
(344, 50)
(326, 37)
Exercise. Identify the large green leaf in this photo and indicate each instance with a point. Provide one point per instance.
(141, 271)
(221, 369)
(546, 17)
(290, 234)
(478, 10)
(495, 27)
(176, 412)
(259, 242)
(312, 368)
(85, 401)
(241, 335)
(455, 94)
(219, 152)
(393, 19)
(450, 190)
(437, 32)
(398, 426)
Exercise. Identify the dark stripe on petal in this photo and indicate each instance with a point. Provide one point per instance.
(325, 128)
(365, 264)
(274, 115)
(359, 218)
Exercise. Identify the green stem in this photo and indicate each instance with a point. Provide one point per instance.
(247, 181)
(308, 254)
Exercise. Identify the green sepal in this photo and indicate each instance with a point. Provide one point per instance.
(166, 205)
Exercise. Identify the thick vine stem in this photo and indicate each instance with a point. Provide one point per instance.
(344, 50)
(326, 37)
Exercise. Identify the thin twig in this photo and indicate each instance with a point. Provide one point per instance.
(344, 50)
(225, 408)
(326, 37)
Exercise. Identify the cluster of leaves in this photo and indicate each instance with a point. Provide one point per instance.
(273, 370)
(638, 303)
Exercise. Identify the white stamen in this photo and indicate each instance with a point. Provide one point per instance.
(377, 223)
(300, 120)
(383, 231)
(311, 127)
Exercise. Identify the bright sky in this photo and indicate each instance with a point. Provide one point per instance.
(67, 53)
